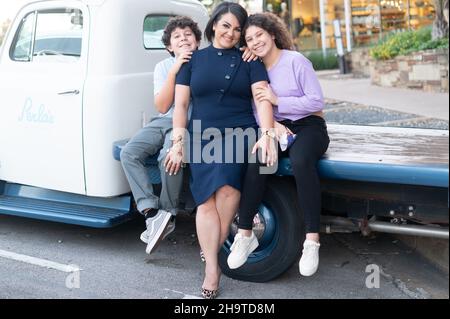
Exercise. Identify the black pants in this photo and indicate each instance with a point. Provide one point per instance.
(311, 143)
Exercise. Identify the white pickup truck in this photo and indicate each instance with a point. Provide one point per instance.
(76, 82)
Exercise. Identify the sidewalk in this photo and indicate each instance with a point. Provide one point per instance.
(345, 88)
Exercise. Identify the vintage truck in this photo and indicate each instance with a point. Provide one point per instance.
(76, 83)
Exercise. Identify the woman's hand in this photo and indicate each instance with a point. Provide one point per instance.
(174, 159)
(269, 151)
(266, 93)
(248, 56)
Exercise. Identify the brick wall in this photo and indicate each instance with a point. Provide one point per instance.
(424, 70)
(360, 62)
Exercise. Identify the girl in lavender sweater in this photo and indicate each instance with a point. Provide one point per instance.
(297, 100)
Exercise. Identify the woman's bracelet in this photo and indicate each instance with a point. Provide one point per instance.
(269, 133)
(177, 139)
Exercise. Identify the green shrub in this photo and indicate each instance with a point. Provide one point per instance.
(321, 63)
(406, 42)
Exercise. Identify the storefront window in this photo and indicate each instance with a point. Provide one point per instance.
(366, 22)
(373, 18)
(334, 10)
(370, 19)
(306, 24)
(421, 13)
(281, 8)
(394, 15)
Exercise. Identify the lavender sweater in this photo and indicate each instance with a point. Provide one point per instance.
(295, 83)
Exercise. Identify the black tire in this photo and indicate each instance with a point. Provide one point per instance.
(278, 255)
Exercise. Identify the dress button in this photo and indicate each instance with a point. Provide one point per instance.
(227, 77)
(233, 57)
(219, 53)
(232, 65)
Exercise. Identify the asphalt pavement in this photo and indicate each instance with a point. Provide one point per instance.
(112, 263)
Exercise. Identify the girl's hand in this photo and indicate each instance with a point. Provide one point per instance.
(280, 129)
(269, 151)
(266, 93)
(248, 56)
(174, 159)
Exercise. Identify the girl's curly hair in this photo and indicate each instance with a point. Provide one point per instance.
(274, 26)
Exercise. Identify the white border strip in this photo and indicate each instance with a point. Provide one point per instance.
(185, 296)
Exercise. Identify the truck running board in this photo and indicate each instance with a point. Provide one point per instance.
(37, 203)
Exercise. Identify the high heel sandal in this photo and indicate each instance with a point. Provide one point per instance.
(209, 294)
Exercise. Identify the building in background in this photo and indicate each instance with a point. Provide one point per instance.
(363, 22)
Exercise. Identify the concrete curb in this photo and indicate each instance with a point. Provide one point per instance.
(432, 249)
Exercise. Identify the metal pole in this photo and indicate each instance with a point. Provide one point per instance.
(408, 8)
(414, 230)
(380, 17)
(322, 27)
(348, 24)
(339, 46)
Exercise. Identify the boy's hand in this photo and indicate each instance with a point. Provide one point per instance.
(180, 60)
(248, 56)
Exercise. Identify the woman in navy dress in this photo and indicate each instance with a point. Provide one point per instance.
(221, 86)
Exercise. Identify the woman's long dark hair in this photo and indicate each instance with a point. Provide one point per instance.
(223, 8)
(274, 26)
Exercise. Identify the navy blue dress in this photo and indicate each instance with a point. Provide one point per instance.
(220, 84)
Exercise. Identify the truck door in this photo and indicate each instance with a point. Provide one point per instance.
(43, 68)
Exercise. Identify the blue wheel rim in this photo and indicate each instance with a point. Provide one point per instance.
(267, 241)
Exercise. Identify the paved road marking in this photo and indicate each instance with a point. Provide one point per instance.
(38, 262)
(185, 296)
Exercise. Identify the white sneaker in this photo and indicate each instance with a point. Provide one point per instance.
(240, 250)
(169, 229)
(310, 258)
(155, 228)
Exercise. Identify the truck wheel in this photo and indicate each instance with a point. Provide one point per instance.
(280, 231)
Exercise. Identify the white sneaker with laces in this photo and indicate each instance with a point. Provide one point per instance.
(169, 229)
(310, 258)
(242, 247)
